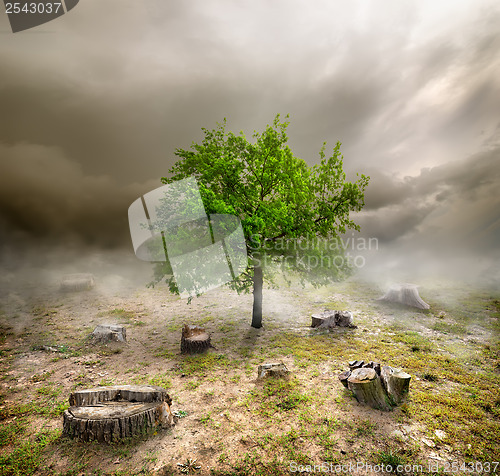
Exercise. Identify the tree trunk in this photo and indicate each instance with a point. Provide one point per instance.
(257, 297)
(367, 388)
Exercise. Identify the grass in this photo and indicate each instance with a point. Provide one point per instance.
(251, 427)
(203, 364)
(27, 457)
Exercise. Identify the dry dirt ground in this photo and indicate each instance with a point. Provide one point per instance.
(230, 422)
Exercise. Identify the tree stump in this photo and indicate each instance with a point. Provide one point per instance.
(194, 339)
(107, 414)
(343, 378)
(381, 387)
(109, 332)
(272, 370)
(77, 282)
(396, 383)
(330, 319)
(406, 294)
(367, 388)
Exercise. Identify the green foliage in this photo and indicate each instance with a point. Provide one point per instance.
(279, 199)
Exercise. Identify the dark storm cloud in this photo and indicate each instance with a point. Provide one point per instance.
(45, 196)
(452, 206)
(93, 111)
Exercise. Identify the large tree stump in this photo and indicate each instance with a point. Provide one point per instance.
(330, 319)
(109, 332)
(406, 294)
(77, 282)
(194, 339)
(367, 388)
(107, 414)
(396, 383)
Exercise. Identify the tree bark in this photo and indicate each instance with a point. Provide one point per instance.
(343, 377)
(396, 383)
(108, 414)
(257, 296)
(194, 340)
(368, 389)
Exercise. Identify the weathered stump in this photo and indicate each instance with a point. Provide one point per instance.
(109, 332)
(107, 414)
(272, 370)
(330, 319)
(406, 294)
(77, 282)
(381, 387)
(367, 388)
(396, 383)
(194, 339)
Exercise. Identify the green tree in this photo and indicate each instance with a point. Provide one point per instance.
(279, 199)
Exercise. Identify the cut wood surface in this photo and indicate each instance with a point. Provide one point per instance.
(108, 414)
(194, 339)
(367, 388)
(131, 393)
(380, 387)
(406, 294)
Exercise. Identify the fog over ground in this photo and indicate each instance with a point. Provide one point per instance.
(94, 104)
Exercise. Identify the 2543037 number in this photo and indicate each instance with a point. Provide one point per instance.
(32, 7)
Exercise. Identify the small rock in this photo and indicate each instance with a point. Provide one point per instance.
(435, 456)
(428, 442)
(406, 428)
(398, 434)
(440, 434)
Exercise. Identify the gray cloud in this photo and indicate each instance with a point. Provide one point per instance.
(95, 104)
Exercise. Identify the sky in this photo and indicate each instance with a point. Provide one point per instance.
(94, 104)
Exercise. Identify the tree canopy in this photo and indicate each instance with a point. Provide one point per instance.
(276, 195)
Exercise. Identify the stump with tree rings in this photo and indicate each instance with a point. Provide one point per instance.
(108, 414)
(194, 339)
(380, 387)
(367, 388)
